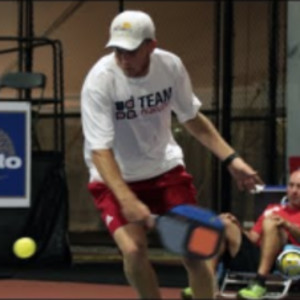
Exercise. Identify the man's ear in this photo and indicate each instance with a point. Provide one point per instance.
(153, 45)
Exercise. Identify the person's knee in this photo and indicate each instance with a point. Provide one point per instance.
(132, 242)
(231, 230)
(194, 264)
(270, 229)
(232, 236)
(134, 259)
(229, 221)
(269, 224)
(134, 252)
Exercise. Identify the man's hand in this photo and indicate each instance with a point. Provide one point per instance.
(279, 221)
(245, 177)
(225, 217)
(137, 212)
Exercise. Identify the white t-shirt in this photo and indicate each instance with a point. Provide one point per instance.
(132, 116)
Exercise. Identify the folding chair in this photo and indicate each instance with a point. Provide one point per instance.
(22, 81)
(278, 285)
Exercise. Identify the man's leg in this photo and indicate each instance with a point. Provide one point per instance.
(206, 269)
(233, 235)
(132, 242)
(201, 278)
(273, 240)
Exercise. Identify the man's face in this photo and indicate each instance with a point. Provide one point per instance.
(293, 190)
(135, 63)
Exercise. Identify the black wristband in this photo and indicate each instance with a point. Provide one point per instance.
(226, 162)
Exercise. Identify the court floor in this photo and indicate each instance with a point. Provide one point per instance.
(34, 289)
(95, 274)
(87, 280)
(60, 287)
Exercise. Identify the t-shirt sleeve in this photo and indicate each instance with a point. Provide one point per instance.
(257, 227)
(96, 113)
(186, 104)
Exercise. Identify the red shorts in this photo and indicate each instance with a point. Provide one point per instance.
(160, 194)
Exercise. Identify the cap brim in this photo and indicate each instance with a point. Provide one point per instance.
(123, 44)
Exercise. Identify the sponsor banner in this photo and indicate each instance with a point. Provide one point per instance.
(15, 154)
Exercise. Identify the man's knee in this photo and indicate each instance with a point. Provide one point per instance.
(131, 241)
(232, 230)
(271, 228)
(232, 234)
(134, 251)
(194, 264)
(269, 224)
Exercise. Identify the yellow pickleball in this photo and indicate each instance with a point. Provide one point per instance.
(24, 247)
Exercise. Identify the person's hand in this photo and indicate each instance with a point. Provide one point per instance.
(137, 212)
(228, 217)
(279, 221)
(245, 176)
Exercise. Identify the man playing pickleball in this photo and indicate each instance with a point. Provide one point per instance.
(136, 167)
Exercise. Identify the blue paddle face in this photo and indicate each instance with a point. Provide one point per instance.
(201, 215)
(190, 231)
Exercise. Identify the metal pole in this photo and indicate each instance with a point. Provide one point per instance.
(293, 87)
(20, 34)
(273, 68)
(227, 97)
(29, 34)
(121, 5)
(216, 102)
(20, 43)
(28, 49)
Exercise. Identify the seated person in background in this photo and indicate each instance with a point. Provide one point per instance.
(256, 250)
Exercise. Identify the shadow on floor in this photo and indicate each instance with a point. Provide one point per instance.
(102, 272)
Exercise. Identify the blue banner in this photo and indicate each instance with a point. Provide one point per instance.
(15, 154)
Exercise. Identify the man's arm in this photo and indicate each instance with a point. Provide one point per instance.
(253, 236)
(293, 229)
(206, 133)
(132, 208)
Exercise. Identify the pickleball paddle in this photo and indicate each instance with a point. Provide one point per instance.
(190, 231)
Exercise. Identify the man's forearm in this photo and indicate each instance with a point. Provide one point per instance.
(206, 133)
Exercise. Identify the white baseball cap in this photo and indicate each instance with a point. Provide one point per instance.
(129, 29)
